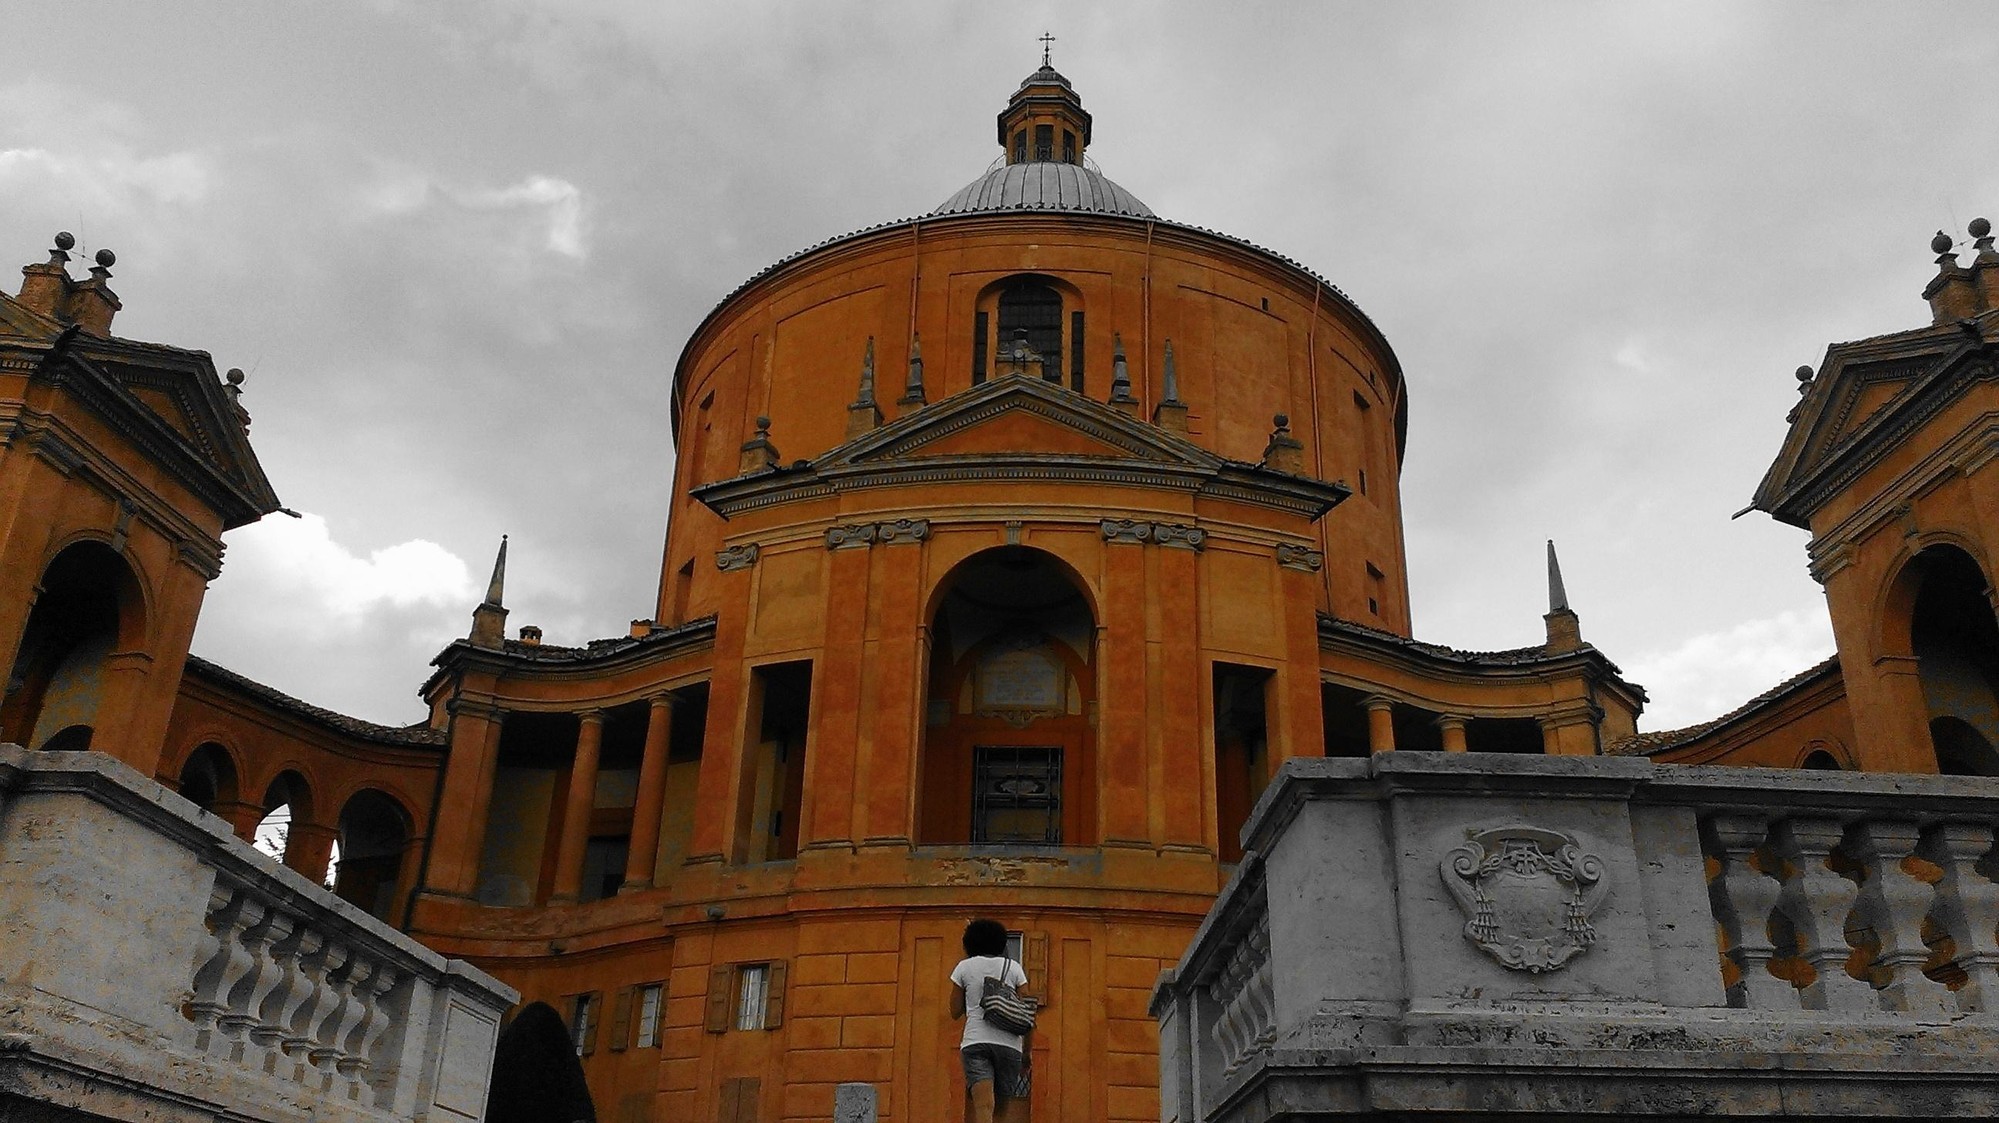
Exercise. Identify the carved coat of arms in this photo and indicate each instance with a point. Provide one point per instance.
(1527, 895)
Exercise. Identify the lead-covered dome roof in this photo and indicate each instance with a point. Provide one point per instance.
(1044, 185)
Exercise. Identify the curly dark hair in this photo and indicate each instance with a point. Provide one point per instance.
(985, 937)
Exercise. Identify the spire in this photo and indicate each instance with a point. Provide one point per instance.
(1171, 412)
(912, 390)
(1044, 121)
(1565, 631)
(489, 620)
(864, 414)
(1120, 371)
(1558, 597)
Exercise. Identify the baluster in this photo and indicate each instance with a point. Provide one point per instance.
(1896, 902)
(359, 1063)
(331, 1012)
(1743, 898)
(353, 996)
(1968, 906)
(300, 982)
(1818, 902)
(261, 1031)
(315, 1024)
(1260, 990)
(239, 974)
(225, 921)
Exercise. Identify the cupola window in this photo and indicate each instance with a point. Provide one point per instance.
(1068, 147)
(1020, 147)
(1044, 142)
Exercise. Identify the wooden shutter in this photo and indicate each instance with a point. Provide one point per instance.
(596, 999)
(1034, 960)
(719, 993)
(739, 1100)
(621, 1020)
(774, 996)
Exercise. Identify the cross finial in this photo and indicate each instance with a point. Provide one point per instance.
(1046, 41)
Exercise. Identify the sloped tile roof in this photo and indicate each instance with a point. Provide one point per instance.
(1646, 744)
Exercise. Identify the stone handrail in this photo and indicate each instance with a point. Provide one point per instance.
(142, 943)
(1530, 930)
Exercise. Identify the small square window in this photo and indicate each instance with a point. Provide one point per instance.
(752, 991)
(651, 997)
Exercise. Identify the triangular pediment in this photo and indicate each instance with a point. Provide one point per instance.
(1865, 399)
(1015, 416)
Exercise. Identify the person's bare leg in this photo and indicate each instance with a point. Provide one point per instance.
(1011, 1109)
(981, 1106)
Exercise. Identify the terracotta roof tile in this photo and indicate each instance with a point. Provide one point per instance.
(1646, 744)
(419, 734)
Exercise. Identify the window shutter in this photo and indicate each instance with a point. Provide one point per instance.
(979, 347)
(1034, 957)
(621, 1020)
(774, 997)
(596, 1000)
(719, 994)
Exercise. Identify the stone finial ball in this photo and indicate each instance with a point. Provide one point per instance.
(1281, 420)
(106, 258)
(65, 240)
(1804, 374)
(763, 423)
(1940, 243)
(1980, 228)
(235, 376)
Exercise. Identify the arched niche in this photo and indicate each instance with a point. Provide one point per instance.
(287, 804)
(1941, 602)
(88, 607)
(1009, 756)
(373, 841)
(208, 777)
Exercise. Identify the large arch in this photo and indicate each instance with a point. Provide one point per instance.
(208, 777)
(1009, 747)
(89, 606)
(1943, 604)
(373, 846)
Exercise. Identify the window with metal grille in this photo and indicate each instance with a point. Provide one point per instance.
(1016, 796)
(752, 989)
(1044, 142)
(1035, 308)
(1068, 147)
(1020, 147)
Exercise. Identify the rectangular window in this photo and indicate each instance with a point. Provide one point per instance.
(1068, 147)
(1044, 142)
(583, 1022)
(979, 348)
(651, 996)
(752, 990)
(1020, 147)
(782, 697)
(1076, 351)
(1016, 796)
(1242, 743)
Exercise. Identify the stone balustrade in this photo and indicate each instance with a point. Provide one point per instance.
(1427, 933)
(150, 962)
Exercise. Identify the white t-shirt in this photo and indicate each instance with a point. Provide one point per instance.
(972, 974)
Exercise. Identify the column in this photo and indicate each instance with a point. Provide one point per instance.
(1380, 723)
(1452, 726)
(466, 799)
(651, 802)
(576, 811)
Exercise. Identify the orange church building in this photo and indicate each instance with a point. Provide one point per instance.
(1011, 548)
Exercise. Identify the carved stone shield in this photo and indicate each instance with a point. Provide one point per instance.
(1527, 895)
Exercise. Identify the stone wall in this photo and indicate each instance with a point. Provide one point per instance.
(1436, 934)
(154, 966)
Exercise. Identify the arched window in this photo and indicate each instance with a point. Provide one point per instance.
(1030, 313)
(1955, 639)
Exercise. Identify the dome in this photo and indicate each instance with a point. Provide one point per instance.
(1044, 186)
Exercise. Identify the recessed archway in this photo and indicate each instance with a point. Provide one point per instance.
(1009, 755)
(369, 852)
(1946, 607)
(89, 606)
(208, 777)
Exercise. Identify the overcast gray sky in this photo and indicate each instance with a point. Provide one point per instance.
(458, 246)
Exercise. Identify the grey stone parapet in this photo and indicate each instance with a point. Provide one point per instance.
(153, 965)
(1435, 934)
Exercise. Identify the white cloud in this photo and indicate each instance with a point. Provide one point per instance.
(296, 573)
(1707, 675)
(561, 199)
(554, 207)
(113, 179)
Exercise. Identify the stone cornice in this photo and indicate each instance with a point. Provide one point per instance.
(558, 664)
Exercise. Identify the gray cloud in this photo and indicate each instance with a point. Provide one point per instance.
(460, 244)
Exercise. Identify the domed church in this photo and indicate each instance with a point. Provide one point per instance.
(1012, 549)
